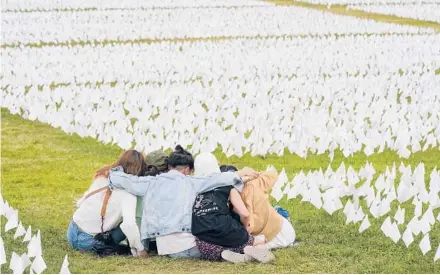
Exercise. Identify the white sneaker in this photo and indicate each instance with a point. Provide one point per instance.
(260, 254)
(237, 258)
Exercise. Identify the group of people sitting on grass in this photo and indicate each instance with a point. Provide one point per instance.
(180, 207)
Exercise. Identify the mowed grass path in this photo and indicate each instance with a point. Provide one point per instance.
(342, 10)
(44, 170)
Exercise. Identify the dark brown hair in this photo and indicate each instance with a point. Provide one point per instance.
(181, 157)
(131, 161)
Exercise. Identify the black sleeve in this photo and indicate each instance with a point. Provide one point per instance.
(224, 190)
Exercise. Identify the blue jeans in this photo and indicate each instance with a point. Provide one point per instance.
(85, 242)
(189, 253)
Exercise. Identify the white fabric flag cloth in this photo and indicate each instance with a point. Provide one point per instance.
(20, 231)
(12, 221)
(2, 252)
(408, 237)
(277, 194)
(437, 254)
(394, 233)
(425, 244)
(28, 235)
(16, 264)
(25, 259)
(386, 227)
(38, 265)
(65, 266)
(364, 225)
(34, 246)
(400, 216)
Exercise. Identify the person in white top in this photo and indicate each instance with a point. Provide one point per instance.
(104, 218)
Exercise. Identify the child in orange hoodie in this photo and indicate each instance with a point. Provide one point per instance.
(264, 221)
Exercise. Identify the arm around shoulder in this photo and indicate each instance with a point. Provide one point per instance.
(267, 180)
(132, 184)
(218, 180)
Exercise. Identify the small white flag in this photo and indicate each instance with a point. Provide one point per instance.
(20, 231)
(394, 233)
(26, 261)
(386, 226)
(437, 254)
(414, 225)
(429, 216)
(38, 265)
(408, 237)
(2, 252)
(277, 194)
(28, 235)
(65, 266)
(365, 224)
(425, 244)
(12, 221)
(16, 264)
(34, 246)
(400, 216)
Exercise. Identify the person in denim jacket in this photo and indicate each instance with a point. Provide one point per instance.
(168, 199)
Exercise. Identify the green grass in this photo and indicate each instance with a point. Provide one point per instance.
(44, 170)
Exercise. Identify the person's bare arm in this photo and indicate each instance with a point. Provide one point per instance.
(238, 203)
(240, 208)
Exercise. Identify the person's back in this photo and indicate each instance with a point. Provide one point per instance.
(168, 199)
(218, 218)
(88, 214)
(104, 218)
(157, 163)
(213, 220)
(264, 219)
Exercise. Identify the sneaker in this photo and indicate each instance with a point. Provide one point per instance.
(260, 254)
(237, 258)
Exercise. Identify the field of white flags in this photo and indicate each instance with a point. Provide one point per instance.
(31, 260)
(347, 109)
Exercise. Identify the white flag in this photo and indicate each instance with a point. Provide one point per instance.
(65, 266)
(365, 224)
(20, 231)
(425, 244)
(2, 252)
(28, 235)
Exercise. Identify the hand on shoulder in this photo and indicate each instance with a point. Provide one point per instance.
(247, 174)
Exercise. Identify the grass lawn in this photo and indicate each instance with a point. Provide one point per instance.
(44, 170)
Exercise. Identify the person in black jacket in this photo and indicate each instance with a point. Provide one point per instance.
(218, 218)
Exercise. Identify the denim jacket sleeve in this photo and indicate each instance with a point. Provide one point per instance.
(217, 180)
(132, 184)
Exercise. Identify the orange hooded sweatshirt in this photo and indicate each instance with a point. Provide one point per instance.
(264, 219)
